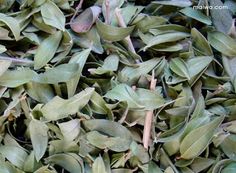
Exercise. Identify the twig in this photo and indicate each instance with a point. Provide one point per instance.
(149, 117)
(77, 10)
(207, 9)
(16, 60)
(122, 24)
(107, 17)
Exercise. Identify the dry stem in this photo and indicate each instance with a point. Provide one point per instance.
(149, 117)
(107, 17)
(122, 24)
(77, 10)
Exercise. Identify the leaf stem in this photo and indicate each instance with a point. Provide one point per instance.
(107, 17)
(77, 10)
(149, 117)
(16, 60)
(121, 23)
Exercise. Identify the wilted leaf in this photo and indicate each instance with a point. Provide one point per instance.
(85, 20)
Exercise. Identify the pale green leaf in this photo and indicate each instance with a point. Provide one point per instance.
(52, 15)
(12, 23)
(39, 137)
(47, 50)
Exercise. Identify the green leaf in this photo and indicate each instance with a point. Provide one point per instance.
(66, 161)
(229, 145)
(165, 38)
(178, 3)
(200, 163)
(16, 155)
(123, 92)
(178, 66)
(111, 129)
(52, 15)
(200, 43)
(59, 108)
(149, 22)
(110, 64)
(98, 104)
(4, 65)
(150, 99)
(15, 78)
(31, 163)
(39, 137)
(40, 92)
(90, 39)
(153, 168)
(198, 139)
(197, 65)
(197, 15)
(12, 23)
(79, 58)
(229, 66)
(47, 50)
(2, 48)
(70, 129)
(112, 33)
(61, 73)
(223, 43)
(98, 166)
(140, 69)
(229, 168)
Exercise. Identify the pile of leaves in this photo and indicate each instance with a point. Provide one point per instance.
(115, 86)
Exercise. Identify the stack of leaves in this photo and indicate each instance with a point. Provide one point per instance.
(117, 86)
